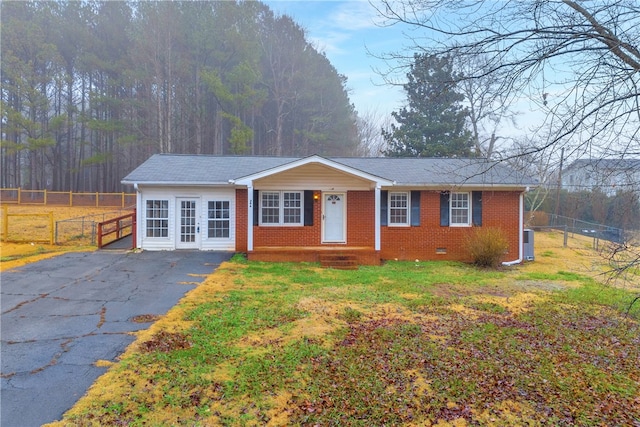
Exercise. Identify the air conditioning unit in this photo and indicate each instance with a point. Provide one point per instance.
(528, 244)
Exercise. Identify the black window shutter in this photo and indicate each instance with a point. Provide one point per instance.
(256, 206)
(415, 208)
(444, 209)
(308, 207)
(383, 207)
(476, 208)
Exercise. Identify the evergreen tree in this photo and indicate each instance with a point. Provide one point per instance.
(433, 124)
(91, 89)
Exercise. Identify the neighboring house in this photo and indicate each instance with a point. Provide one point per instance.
(294, 209)
(608, 175)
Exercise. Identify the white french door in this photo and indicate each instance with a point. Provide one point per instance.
(187, 223)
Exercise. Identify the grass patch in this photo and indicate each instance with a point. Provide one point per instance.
(16, 255)
(556, 276)
(20, 247)
(403, 344)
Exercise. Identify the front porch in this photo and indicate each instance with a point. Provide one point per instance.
(329, 256)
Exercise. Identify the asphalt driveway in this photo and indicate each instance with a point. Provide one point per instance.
(61, 315)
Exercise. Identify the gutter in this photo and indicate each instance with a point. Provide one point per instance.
(520, 236)
(464, 187)
(177, 183)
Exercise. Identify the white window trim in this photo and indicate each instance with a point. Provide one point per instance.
(147, 219)
(408, 209)
(469, 212)
(281, 208)
(230, 219)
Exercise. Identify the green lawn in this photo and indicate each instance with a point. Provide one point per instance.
(406, 343)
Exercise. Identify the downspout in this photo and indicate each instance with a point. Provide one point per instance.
(138, 242)
(520, 235)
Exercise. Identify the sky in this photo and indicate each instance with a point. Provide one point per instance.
(351, 35)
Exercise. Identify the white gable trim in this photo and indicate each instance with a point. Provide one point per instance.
(248, 180)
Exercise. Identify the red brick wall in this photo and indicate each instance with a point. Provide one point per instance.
(499, 209)
(360, 218)
(290, 236)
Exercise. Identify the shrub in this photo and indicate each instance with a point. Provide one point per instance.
(537, 218)
(486, 246)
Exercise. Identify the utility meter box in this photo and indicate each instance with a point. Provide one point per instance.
(528, 244)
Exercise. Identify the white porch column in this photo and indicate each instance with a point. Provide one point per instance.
(377, 218)
(250, 217)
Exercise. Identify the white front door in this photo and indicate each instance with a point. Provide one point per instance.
(187, 223)
(334, 225)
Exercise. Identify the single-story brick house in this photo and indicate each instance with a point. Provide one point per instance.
(296, 209)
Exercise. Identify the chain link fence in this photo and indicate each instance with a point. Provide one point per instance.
(589, 229)
(572, 227)
(82, 231)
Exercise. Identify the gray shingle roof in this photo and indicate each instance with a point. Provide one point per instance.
(428, 171)
(212, 170)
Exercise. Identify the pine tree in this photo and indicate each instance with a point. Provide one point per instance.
(433, 124)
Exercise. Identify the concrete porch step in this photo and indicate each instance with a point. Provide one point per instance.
(355, 255)
(339, 261)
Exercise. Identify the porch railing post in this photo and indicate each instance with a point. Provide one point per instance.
(51, 224)
(99, 235)
(5, 222)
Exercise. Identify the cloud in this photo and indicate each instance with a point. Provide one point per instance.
(331, 42)
(343, 24)
(346, 31)
(354, 16)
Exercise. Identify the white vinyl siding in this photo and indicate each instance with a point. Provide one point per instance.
(225, 198)
(314, 177)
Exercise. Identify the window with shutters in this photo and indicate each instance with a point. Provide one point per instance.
(460, 209)
(281, 208)
(398, 208)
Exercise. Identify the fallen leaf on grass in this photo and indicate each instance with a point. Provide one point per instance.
(165, 342)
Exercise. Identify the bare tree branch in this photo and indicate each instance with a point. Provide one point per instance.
(576, 62)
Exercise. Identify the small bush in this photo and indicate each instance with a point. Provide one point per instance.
(537, 218)
(239, 258)
(487, 246)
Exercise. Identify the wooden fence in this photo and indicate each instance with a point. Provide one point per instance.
(48, 236)
(116, 229)
(66, 198)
